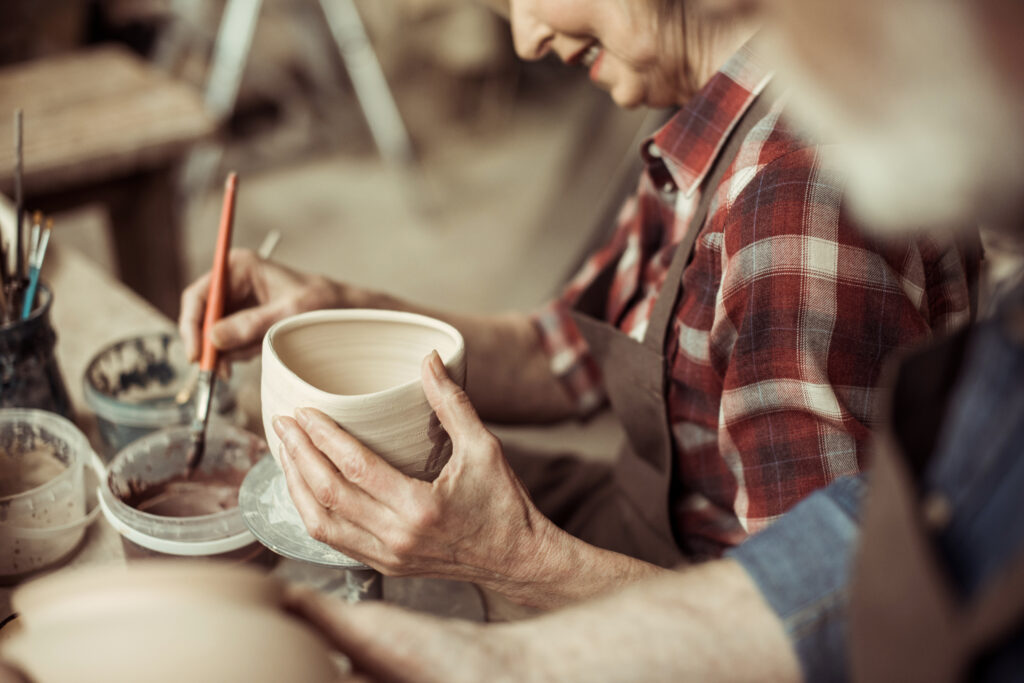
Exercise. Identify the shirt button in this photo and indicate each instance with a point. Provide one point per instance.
(668, 187)
(654, 151)
(937, 511)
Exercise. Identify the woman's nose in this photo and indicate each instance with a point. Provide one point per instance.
(532, 38)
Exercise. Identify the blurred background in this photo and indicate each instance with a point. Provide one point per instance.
(482, 194)
(396, 144)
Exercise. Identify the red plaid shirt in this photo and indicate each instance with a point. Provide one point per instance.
(787, 315)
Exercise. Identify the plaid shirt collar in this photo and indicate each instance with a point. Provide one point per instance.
(690, 141)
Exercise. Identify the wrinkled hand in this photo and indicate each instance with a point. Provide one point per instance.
(258, 294)
(475, 522)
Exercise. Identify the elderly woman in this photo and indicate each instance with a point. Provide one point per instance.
(735, 322)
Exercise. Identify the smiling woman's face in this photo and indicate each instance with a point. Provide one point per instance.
(620, 42)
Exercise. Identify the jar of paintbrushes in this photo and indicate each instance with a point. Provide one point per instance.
(29, 376)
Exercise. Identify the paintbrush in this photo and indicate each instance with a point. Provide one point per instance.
(265, 251)
(214, 311)
(19, 203)
(35, 263)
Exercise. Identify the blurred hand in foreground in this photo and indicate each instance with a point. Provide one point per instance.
(388, 643)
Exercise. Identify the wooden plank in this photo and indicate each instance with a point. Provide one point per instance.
(93, 117)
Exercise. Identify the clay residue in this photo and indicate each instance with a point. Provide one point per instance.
(25, 471)
(201, 493)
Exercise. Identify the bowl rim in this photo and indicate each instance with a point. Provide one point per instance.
(111, 409)
(116, 505)
(362, 315)
(62, 428)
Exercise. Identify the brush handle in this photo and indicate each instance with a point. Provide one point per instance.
(30, 294)
(215, 299)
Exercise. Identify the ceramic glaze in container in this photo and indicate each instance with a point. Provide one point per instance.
(363, 369)
(160, 512)
(42, 490)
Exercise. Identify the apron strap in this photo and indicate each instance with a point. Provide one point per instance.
(665, 305)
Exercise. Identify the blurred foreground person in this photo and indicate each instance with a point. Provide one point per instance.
(928, 98)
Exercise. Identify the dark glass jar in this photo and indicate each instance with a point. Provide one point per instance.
(29, 375)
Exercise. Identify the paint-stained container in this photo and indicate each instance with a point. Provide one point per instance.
(133, 384)
(161, 511)
(46, 469)
(29, 375)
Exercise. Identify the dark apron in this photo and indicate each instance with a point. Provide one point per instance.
(906, 621)
(627, 507)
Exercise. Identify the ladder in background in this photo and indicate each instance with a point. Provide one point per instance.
(231, 52)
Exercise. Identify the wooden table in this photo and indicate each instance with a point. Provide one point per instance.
(90, 310)
(102, 126)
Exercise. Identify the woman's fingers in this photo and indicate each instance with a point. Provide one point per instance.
(360, 466)
(245, 328)
(452, 405)
(330, 490)
(190, 320)
(321, 524)
(242, 264)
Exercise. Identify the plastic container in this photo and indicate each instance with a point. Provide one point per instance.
(43, 459)
(132, 387)
(161, 457)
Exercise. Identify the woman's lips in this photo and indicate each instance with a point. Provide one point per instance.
(596, 66)
(591, 58)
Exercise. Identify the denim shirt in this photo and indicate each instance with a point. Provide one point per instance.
(802, 563)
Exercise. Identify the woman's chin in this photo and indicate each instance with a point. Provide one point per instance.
(627, 98)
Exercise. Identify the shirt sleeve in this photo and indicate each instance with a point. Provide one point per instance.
(809, 308)
(570, 359)
(802, 566)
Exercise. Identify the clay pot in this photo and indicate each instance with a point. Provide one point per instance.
(362, 368)
(162, 622)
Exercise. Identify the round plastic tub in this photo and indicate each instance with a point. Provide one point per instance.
(132, 387)
(42, 478)
(161, 457)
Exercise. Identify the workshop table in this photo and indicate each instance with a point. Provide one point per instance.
(103, 126)
(90, 310)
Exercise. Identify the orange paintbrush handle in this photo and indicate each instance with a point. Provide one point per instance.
(218, 277)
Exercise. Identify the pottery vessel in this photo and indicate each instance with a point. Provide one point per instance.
(162, 622)
(363, 369)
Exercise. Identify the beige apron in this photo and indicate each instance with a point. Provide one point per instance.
(906, 621)
(626, 507)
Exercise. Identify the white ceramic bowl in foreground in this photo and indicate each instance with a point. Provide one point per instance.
(362, 368)
(162, 622)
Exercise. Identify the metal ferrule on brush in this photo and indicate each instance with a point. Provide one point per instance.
(204, 398)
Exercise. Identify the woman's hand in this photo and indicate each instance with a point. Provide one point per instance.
(259, 293)
(475, 522)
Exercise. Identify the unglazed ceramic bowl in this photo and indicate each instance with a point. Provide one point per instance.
(362, 368)
(164, 623)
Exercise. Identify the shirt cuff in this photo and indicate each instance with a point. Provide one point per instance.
(801, 564)
(569, 358)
